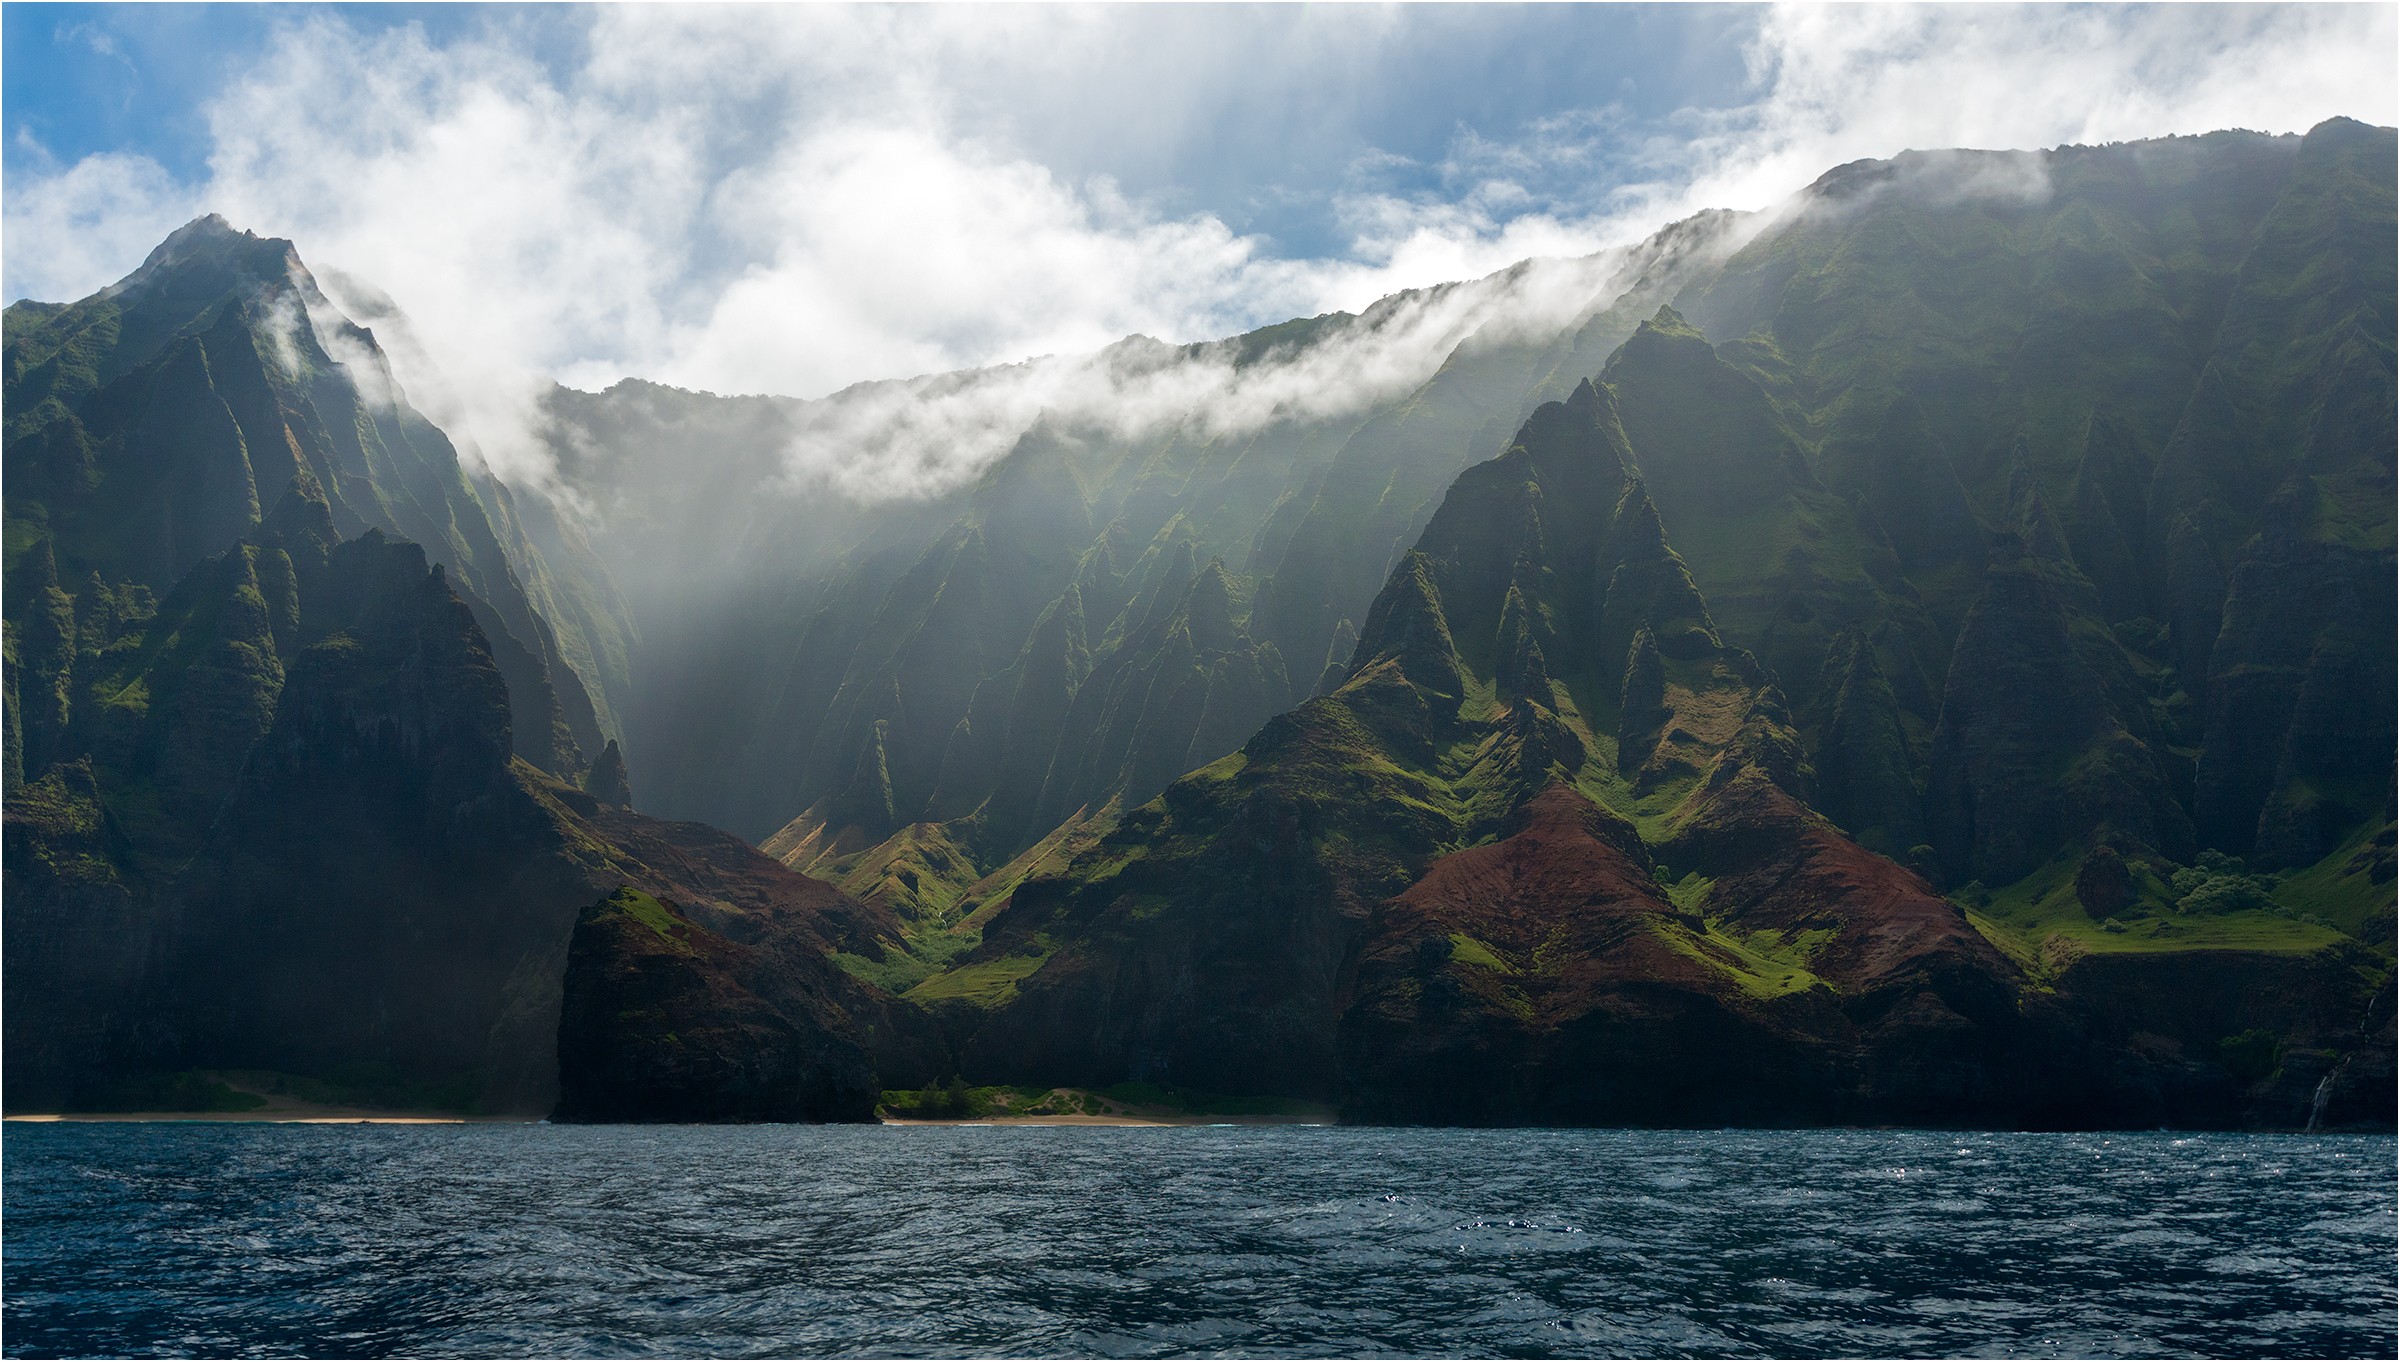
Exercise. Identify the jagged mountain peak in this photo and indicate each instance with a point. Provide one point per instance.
(1665, 341)
(210, 242)
(215, 394)
(1668, 322)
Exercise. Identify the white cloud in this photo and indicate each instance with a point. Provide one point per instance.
(71, 232)
(524, 230)
(791, 200)
(1841, 83)
(887, 251)
(925, 436)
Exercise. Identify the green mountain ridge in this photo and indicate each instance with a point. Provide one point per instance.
(1964, 681)
(1922, 656)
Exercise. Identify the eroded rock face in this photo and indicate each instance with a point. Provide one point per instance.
(1547, 977)
(1865, 763)
(157, 424)
(666, 1020)
(2031, 753)
(2297, 736)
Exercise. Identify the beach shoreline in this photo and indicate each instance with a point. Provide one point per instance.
(1313, 1119)
(313, 1116)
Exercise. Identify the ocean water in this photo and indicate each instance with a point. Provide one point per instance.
(944, 1241)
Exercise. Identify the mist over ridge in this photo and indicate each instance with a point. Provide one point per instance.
(925, 435)
(791, 201)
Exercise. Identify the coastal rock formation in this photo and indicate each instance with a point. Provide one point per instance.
(1927, 657)
(665, 1020)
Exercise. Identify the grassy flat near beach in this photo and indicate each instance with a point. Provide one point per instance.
(1123, 1104)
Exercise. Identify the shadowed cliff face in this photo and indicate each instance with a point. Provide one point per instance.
(155, 424)
(1099, 613)
(2171, 374)
(297, 841)
(2030, 754)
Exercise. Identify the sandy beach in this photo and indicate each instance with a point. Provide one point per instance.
(1311, 1119)
(297, 1114)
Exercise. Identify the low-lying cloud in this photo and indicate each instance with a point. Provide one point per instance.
(926, 436)
(791, 201)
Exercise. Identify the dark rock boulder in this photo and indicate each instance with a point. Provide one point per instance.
(2103, 883)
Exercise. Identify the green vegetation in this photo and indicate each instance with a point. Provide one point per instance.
(2215, 906)
(1762, 965)
(2218, 885)
(1690, 893)
(2352, 888)
(984, 983)
(955, 1100)
(1167, 1098)
(652, 914)
(952, 1101)
(373, 1086)
(1469, 951)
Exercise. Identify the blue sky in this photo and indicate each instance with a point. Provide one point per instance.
(792, 199)
(86, 79)
(81, 79)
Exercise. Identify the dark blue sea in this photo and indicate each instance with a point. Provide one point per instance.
(929, 1241)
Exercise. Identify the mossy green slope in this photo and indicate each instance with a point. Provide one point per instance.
(2160, 373)
(1211, 937)
(1919, 494)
